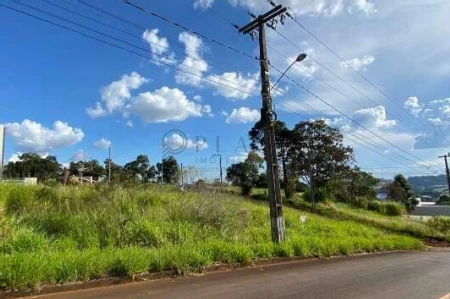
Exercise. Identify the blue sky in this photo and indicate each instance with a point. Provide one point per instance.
(70, 96)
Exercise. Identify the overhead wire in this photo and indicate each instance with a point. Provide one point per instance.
(143, 49)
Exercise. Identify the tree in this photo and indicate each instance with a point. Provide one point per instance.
(33, 165)
(444, 200)
(116, 170)
(169, 169)
(87, 168)
(348, 186)
(283, 142)
(317, 153)
(245, 174)
(138, 168)
(400, 190)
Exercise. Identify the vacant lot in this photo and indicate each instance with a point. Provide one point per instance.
(52, 235)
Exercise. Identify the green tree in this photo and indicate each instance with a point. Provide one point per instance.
(33, 165)
(138, 168)
(317, 153)
(283, 142)
(245, 174)
(116, 170)
(400, 190)
(169, 169)
(87, 168)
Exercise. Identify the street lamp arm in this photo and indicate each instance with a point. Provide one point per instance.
(298, 59)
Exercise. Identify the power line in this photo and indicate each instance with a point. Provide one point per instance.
(359, 142)
(315, 77)
(139, 28)
(147, 11)
(346, 116)
(143, 49)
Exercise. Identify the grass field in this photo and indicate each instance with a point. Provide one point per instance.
(65, 234)
(396, 224)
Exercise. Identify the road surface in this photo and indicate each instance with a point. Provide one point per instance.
(411, 275)
(431, 211)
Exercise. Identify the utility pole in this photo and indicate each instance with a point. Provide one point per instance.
(2, 150)
(109, 164)
(276, 209)
(182, 175)
(447, 170)
(221, 173)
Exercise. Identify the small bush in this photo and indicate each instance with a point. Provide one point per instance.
(394, 208)
(440, 223)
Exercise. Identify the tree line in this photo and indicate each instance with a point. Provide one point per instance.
(313, 158)
(48, 168)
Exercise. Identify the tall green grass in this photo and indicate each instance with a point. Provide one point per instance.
(62, 234)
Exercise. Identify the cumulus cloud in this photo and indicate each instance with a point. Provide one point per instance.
(359, 63)
(31, 136)
(80, 155)
(327, 8)
(15, 157)
(203, 4)
(116, 94)
(96, 111)
(242, 115)
(159, 46)
(102, 143)
(412, 105)
(374, 117)
(193, 65)
(164, 105)
(436, 132)
(365, 6)
(129, 124)
(240, 86)
(176, 141)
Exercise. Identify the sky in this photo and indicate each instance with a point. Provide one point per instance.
(81, 77)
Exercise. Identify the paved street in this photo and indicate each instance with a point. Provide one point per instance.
(393, 275)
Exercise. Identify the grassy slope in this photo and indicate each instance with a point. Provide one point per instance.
(63, 234)
(395, 224)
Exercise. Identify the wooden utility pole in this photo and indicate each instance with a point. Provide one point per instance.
(109, 164)
(447, 170)
(182, 175)
(273, 180)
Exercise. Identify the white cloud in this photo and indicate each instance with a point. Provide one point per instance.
(243, 115)
(193, 64)
(176, 141)
(96, 111)
(203, 4)
(359, 63)
(327, 8)
(197, 98)
(129, 124)
(102, 143)
(80, 155)
(413, 106)
(164, 105)
(241, 87)
(31, 136)
(374, 117)
(116, 94)
(365, 6)
(159, 47)
(15, 157)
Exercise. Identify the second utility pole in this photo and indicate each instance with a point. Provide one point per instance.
(270, 152)
(447, 171)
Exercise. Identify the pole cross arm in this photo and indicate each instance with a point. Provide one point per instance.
(276, 11)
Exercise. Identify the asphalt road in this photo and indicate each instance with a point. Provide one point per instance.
(393, 275)
(432, 211)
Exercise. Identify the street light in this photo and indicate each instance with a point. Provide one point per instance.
(298, 59)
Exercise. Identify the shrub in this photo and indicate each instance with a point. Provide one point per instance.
(246, 188)
(362, 202)
(440, 223)
(394, 208)
(20, 199)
